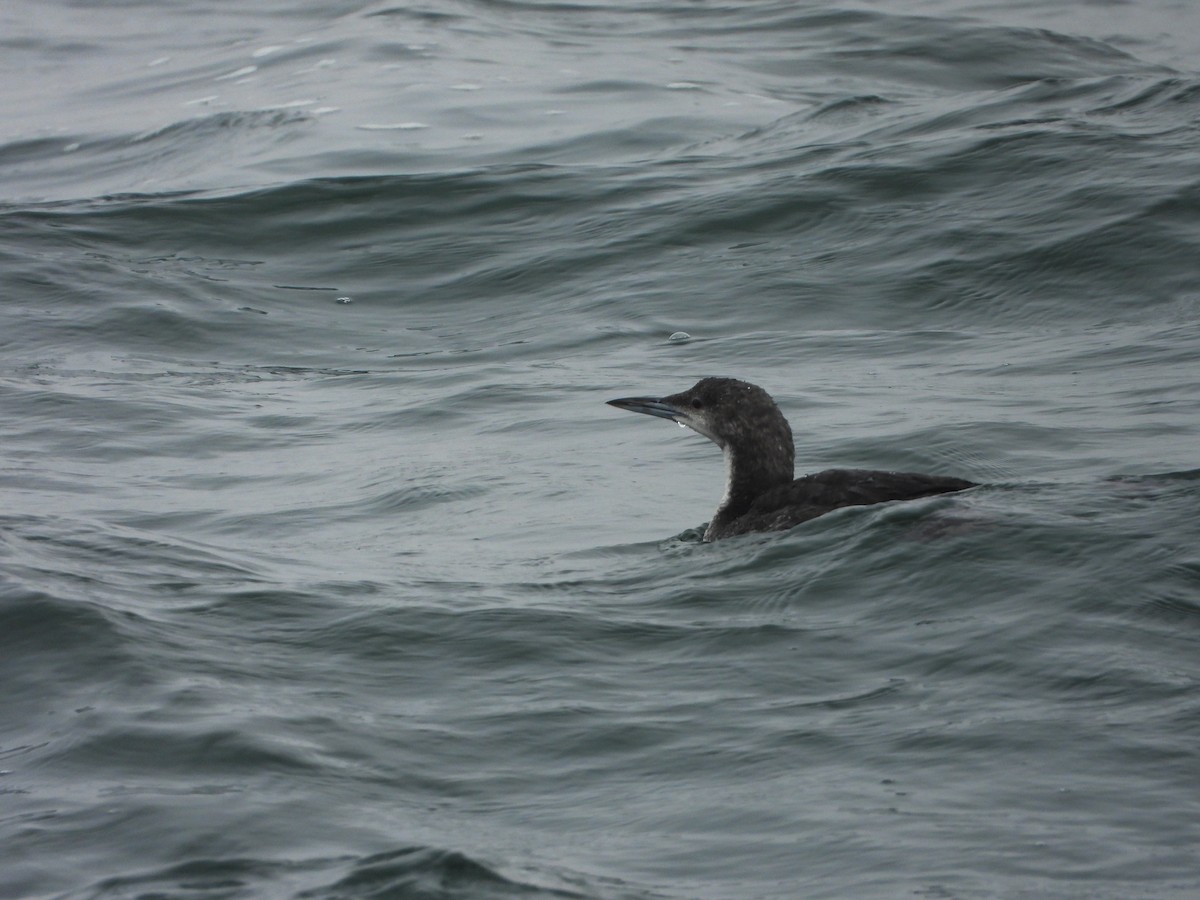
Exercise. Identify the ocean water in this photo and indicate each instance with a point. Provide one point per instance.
(325, 572)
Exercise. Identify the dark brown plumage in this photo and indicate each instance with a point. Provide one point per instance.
(760, 493)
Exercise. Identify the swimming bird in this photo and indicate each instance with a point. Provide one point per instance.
(761, 493)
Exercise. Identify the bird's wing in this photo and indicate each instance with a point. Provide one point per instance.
(814, 495)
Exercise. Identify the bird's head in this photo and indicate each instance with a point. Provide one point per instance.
(737, 416)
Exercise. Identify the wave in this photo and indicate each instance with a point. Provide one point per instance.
(417, 872)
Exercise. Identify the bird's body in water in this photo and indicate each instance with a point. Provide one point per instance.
(761, 493)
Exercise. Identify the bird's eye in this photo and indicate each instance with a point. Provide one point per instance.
(697, 403)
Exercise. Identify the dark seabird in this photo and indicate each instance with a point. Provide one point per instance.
(760, 493)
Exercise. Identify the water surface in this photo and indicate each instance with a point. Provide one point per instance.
(326, 572)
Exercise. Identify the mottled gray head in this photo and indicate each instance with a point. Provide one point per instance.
(739, 417)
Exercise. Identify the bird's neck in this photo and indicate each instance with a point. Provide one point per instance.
(750, 474)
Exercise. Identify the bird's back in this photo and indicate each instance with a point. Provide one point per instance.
(814, 495)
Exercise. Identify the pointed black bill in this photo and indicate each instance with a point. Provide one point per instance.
(651, 406)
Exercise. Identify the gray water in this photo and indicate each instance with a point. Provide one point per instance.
(325, 572)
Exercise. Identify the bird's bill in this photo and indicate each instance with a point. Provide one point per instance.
(651, 406)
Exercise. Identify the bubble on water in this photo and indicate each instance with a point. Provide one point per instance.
(392, 126)
(343, 300)
(679, 337)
